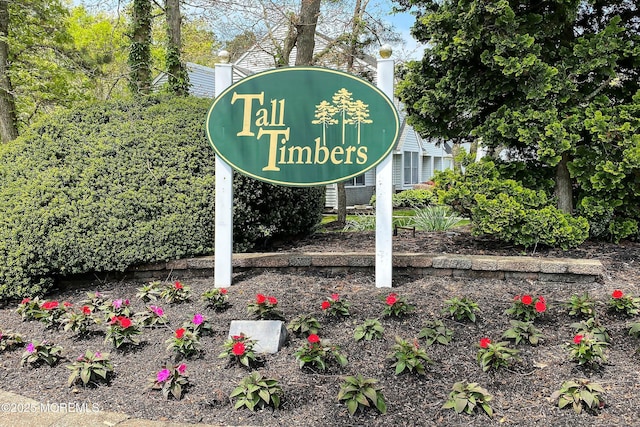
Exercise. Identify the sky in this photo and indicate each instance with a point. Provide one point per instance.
(402, 22)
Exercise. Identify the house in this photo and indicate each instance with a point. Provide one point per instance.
(415, 159)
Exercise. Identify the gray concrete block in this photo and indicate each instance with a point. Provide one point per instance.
(270, 335)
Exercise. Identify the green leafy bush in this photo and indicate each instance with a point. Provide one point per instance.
(414, 198)
(503, 208)
(115, 184)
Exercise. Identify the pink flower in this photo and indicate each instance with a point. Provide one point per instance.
(541, 307)
(178, 285)
(98, 354)
(391, 299)
(182, 368)
(617, 294)
(197, 319)
(223, 291)
(313, 338)
(260, 299)
(67, 304)
(117, 304)
(158, 311)
(484, 342)
(238, 349)
(163, 375)
(25, 300)
(526, 299)
(272, 300)
(541, 298)
(325, 305)
(578, 339)
(516, 298)
(335, 297)
(31, 348)
(179, 333)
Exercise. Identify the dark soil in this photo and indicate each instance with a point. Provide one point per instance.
(521, 392)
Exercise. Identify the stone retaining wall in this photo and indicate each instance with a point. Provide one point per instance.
(471, 266)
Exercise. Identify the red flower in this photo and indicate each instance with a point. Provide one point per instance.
(326, 305)
(182, 368)
(617, 294)
(86, 309)
(526, 299)
(335, 297)
(313, 338)
(484, 342)
(67, 304)
(391, 299)
(179, 333)
(577, 339)
(125, 322)
(236, 337)
(541, 299)
(178, 285)
(272, 300)
(25, 300)
(260, 299)
(49, 305)
(238, 349)
(223, 291)
(541, 307)
(114, 319)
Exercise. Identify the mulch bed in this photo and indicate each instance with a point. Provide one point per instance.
(521, 392)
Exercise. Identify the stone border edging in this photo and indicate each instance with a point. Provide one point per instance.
(418, 264)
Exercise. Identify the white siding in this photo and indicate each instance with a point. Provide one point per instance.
(201, 80)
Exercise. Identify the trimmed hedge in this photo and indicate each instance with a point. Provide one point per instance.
(116, 184)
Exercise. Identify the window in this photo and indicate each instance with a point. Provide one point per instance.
(410, 167)
(358, 180)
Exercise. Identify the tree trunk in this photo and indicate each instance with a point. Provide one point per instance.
(309, 13)
(140, 50)
(564, 189)
(8, 119)
(176, 69)
(342, 204)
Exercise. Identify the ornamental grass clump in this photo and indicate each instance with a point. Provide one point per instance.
(409, 356)
(625, 304)
(37, 353)
(495, 355)
(523, 332)
(184, 343)
(265, 308)
(396, 306)
(122, 330)
(239, 349)
(90, 368)
(150, 292)
(370, 329)
(436, 331)
(217, 299)
(153, 316)
(175, 292)
(319, 353)
(461, 309)
(359, 393)
(304, 324)
(581, 394)
(581, 305)
(336, 306)
(256, 392)
(587, 351)
(526, 307)
(10, 340)
(172, 380)
(467, 398)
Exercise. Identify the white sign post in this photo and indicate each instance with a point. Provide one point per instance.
(223, 270)
(384, 187)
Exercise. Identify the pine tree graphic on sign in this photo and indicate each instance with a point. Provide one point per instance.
(324, 116)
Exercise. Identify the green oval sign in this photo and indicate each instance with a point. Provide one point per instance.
(302, 126)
